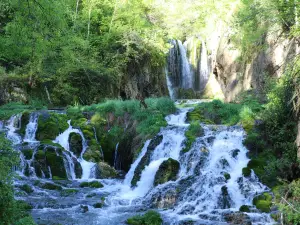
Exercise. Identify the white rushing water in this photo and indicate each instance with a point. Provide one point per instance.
(63, 140)
(31, 128)
(186, 73)
(170, 86)
(14, 124)
(204, 72)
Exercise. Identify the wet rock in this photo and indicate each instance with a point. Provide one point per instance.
(27, 188)
(244, 208)
(234, 153)
(77, 168)
(75, 142)
(164, 200)
(224, 201)
(224, 163)
(50, 125)
(84, 208)
(92, 184)
(210, 139)
(167, 171)
(146, 159)
(50, 186)
(104, 171)
(238, 218)
(27, 153)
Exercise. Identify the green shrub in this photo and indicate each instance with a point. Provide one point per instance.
(92, 184)
(149, 218)
(195, 130)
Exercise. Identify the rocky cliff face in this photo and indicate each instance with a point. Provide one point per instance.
(235, 76)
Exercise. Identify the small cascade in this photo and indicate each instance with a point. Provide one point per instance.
(63, 140)
(96, 138)
(170, 147)
(14, 124)
(204, 72)
(170, 86)
(186, 73)
(130, 173)
(116, 164)
(31, 128)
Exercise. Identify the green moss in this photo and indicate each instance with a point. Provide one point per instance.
(50, 125)
(27, 188)
(68, 192)
(167, 171)
(246, 172)
(56, 164)
(263, 202)
(24, 121)
(57, 178)
(50, 186)
(244, 208)
(92, 184)
(75, 143)
(27, 153)
(98, 205)
(91, 195)
(195, 130)
(227, 176)
(149, 218)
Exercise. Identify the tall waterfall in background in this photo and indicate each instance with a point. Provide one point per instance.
(31, 128)
(188, 68)
(186, 73)
(204, 72)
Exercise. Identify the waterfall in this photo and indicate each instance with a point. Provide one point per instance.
(63, 140)
(170, 147)
(31, 128)
(130, 173)
(14, 124)
(204, 72)
(116, 166)
(96, 138)
(186, 73)
(169, 85)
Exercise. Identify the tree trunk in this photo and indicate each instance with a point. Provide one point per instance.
(298, 141)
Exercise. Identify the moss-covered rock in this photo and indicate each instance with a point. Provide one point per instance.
(24, 121)
(75, 143)
(50, 186)
(27, 153)
(238, 218)
(146, 159)
(224, 201)
(246, 172)
(244, 208)
(93, 152)
(263, 202)
(68, 192)
(195, 130)
(27, 188)
(104, 171)
(227, 176)
(49, 157)
(92, 184)
(167, 171)
(149, 218)
(98, 205)
(50, 125)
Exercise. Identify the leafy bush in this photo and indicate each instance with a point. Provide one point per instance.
(149, 218)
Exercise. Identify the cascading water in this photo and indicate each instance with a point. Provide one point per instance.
(31, 128)
(186, 73)
(116, 164)
(63, 140)
(200, 193)
(204, 72)
(14, 124)
(170, 86)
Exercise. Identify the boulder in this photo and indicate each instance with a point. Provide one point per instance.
(238, 218)
(167, 171)
(75, 142)
(104, 171)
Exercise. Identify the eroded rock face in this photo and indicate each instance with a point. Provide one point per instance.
(105, 171)
(238, 218)
(75, 142)
(166, 200)
(146, 159)
(167, 171)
